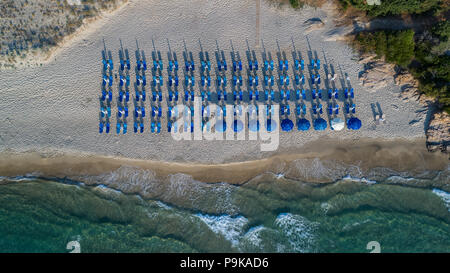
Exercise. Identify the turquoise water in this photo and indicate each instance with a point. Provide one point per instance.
(265, 215)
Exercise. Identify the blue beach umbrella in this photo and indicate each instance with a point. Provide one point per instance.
(271, 125)
(354, 123)
(287, 125)
(303, 124)
(221, 126)
(238, 126)
(320, 124)
(253, 125)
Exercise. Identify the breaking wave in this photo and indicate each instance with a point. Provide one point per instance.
(288, 233)
(299, 231)
(445, 196)
(231, 228)
(277, 211)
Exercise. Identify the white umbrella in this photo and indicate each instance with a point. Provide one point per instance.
(337, 124)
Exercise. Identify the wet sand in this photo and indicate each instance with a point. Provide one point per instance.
(299, 163)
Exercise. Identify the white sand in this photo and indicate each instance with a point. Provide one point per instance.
(56, 107)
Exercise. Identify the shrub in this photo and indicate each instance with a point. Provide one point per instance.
(397, 7)
(294, 3)
(396, 46)
(430, 68)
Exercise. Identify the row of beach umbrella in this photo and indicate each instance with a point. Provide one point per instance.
(286, 124)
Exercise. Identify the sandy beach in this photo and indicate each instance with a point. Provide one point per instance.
(323, 161)
(53, 110)
(64, 186)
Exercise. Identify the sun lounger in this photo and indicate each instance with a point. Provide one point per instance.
(157, 65)
(383, 118)
(124, 63)
(253, 80)
(173, 65)
(158, 127)
(189, 80)
(190, 66)
(237, 66)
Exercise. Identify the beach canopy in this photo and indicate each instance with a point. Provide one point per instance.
(238, 126)
(253, 125)
(287, 125)
(320, 124)
(303, 124)
(221, 126)
(354, 123)
(337, 124)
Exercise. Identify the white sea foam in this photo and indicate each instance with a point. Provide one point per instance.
(106, 189)
(357, 179)
(399, 179)
(403, 179)
(445, 196)
(280, 175)
(18, 178)
(127, 177)
(353, 225)
(329, 170)
(325, 206)
(163, 205)
(231, 228)
(252, 236)
(299, 231)
(176, 188)
(219, 194)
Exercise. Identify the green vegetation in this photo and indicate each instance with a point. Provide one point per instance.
(426, 58)
(432, 64)
(397, 7)
(396, 46)
(294, 3)
(425, 54)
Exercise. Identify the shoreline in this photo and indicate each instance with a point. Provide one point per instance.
(365, 154)
(59, 133)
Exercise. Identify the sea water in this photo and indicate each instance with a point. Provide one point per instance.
(267, 214)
